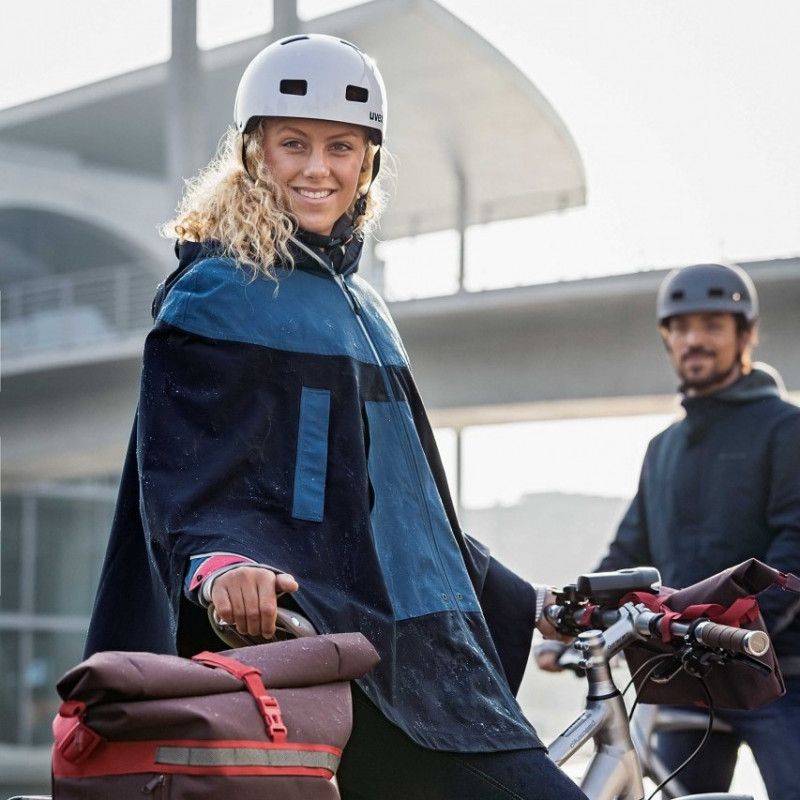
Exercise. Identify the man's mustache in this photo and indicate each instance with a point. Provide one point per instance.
(697, 351)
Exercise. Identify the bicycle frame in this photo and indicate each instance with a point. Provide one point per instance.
(651, 720)
(614, 771)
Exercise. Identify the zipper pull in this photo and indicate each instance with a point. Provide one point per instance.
(153, 784)
(350, 296)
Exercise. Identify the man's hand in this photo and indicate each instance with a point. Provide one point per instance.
(547, 654)
(247, 597)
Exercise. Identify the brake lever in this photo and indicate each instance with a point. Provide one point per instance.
(753, 663)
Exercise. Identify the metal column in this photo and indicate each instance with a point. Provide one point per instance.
(184, 120)
(284, 19)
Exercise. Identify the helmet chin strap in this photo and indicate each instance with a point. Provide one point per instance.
(244, 159)
(360, 207)
(252, 125)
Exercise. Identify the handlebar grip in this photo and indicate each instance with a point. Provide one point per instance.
(737, 640)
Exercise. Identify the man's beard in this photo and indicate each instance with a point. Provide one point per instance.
(717, 377)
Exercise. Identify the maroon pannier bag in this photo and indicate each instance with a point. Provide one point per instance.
(729, 599)
(264, 721)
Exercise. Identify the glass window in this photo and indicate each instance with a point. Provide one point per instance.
(53, 543)
(71, 539)
(9, 686)
(53, 654)
(9, 553)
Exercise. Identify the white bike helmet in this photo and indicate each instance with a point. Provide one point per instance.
(313, 76)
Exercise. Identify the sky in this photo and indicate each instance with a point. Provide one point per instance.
(686, 115)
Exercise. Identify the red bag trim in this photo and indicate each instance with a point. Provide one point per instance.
(119, 758)
(739, 612)
(251, 677)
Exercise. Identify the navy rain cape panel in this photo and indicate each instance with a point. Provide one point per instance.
(282, 422)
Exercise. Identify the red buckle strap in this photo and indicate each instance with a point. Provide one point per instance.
(586, 616)
(251, 677)
(738, 613)
(74, 740)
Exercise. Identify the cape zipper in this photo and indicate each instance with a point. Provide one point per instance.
(339, 280)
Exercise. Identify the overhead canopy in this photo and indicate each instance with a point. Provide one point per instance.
(474, 139)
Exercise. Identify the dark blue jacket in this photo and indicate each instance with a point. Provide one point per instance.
(281, 421)
(718, 487)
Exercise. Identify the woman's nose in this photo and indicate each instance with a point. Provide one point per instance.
(317, 164)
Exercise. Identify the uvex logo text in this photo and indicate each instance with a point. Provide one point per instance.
(375, 116)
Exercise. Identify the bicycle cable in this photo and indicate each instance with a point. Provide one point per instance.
(657, 659)
(653, 664)
(699, 747)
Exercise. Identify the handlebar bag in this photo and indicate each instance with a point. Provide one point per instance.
(263, 721)
(727, 598)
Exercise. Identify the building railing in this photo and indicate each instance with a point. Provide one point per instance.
(78, 309)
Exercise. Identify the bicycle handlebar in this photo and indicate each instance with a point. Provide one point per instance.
(645, 624)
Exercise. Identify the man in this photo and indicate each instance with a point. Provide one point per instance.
(718, 487)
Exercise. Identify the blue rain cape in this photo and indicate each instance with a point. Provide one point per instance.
(281, 421)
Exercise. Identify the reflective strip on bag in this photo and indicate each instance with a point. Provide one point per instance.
(202, 757)
(246, 757)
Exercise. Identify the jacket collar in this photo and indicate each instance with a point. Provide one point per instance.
(333, 257)
(311, 252)
(762, 381)
(702, 412)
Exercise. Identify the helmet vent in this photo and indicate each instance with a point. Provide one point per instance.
(358, 94)
(678, 294)
(716, 293)
(298, 87)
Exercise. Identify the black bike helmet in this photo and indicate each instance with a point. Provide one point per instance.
(706, 288)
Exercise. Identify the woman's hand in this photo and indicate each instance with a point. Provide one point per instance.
(545, 627)
(247, 597)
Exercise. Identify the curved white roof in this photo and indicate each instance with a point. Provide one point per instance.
(465, 124)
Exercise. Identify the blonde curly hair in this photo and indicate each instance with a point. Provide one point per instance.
(243, 207)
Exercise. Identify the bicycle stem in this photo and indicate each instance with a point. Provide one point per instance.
(614, 767)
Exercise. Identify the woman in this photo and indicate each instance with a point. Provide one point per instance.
(280, 433)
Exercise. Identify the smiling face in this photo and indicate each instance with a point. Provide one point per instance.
(705, 350)
(318, 165)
